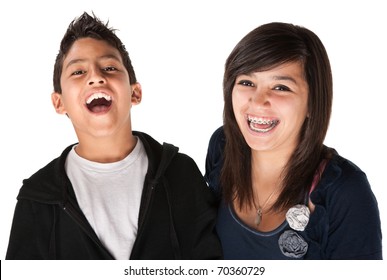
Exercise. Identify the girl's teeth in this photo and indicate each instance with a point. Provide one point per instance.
(260, 121)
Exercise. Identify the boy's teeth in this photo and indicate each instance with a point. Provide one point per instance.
(98, 95)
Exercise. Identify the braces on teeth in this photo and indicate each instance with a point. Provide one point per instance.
(262, 121)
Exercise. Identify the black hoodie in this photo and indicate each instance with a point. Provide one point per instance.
(176, 218)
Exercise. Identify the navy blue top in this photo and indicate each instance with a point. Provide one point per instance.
(241, 242)
(344, 225)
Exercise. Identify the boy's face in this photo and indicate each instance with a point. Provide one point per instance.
(96, 92)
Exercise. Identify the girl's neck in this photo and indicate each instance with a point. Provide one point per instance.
(268, 164)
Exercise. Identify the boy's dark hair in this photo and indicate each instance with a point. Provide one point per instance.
(87, 26)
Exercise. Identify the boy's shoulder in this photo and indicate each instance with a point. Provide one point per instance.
(164, 156)
(45, 185)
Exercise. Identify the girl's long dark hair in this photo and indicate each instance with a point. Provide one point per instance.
(264, 48)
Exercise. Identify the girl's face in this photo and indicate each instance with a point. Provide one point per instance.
(271, 106)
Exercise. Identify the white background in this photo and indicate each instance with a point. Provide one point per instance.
(178, 49)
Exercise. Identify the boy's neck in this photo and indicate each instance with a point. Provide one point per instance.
(106, 150)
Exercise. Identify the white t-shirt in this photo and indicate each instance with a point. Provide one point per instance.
(109, 195)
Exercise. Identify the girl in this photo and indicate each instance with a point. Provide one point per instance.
(283, 193)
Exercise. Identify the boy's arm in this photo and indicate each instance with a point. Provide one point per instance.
(26, 241)
(207, 243)
(197, 205)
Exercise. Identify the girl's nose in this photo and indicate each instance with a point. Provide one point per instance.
(261, 97)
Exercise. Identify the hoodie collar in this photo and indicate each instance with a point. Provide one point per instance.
(51, 185)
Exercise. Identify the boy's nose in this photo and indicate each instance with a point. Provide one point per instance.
(100, 81)
(96, 77)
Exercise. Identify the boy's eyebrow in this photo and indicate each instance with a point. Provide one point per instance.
(80, 60)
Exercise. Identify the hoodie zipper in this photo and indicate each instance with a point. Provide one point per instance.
(147, 200)
(74, 215)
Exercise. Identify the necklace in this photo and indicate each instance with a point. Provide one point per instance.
(258, 218)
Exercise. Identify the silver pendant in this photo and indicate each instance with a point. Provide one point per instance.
(258, 218)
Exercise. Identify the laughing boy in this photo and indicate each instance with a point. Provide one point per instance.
(117, 193)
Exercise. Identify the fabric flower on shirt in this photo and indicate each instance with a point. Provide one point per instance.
(298, 217)
(292, 245)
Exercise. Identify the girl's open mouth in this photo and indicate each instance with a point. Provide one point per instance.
(261, 125)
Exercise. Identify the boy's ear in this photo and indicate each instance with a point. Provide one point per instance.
(136, 94)
(56, 99)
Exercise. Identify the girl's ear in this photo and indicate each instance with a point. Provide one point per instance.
(56, 99)
(136, 94)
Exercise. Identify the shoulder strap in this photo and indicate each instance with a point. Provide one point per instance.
(317, 175)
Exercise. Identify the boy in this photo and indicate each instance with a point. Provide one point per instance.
(116, 194)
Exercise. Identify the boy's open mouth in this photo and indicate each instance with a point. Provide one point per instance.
(261, 125)
(98, 102)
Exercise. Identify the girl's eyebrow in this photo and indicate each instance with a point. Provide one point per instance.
(285, 78)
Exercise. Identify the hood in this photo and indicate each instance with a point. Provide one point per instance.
(51, 185)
